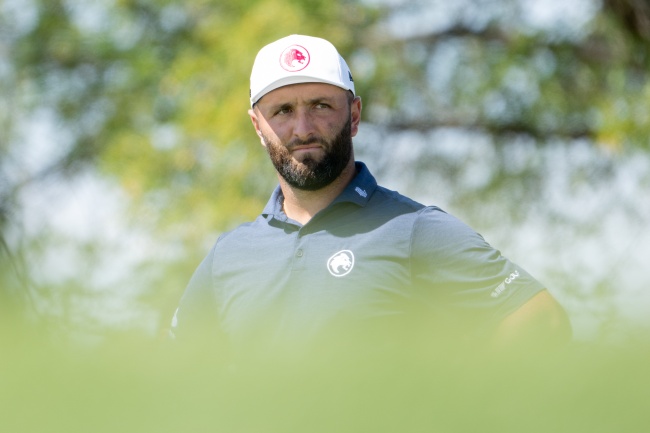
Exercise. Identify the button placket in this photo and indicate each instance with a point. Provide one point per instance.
(300, 252)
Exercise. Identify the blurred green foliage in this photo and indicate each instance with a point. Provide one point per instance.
(154, 94)
(407, 386)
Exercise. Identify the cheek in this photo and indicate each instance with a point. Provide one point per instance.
(273, 145)
(273, 133)
(268, 135)
(337, 126)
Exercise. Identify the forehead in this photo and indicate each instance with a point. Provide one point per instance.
(296, 93)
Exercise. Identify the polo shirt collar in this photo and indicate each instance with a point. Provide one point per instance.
(358, 191)
(360, 188)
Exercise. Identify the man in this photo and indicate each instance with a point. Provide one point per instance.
(333, 250)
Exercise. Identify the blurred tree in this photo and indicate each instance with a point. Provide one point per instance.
(493, 67)
(153, 94)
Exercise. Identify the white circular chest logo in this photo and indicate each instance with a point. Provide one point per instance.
(341, 263)
(294, 58)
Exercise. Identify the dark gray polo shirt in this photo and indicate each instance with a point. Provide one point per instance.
(371, 253)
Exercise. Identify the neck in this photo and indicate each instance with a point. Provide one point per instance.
(301, 205)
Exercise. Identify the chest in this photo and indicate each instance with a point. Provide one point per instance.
(305, 280)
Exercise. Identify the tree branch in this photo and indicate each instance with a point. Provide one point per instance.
(496, 129)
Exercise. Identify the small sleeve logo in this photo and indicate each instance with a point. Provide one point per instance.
(502, 287)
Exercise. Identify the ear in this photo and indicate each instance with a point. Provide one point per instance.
(355, 114)
(256, 124)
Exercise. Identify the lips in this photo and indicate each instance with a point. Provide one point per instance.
(298, 146)
(310, 147)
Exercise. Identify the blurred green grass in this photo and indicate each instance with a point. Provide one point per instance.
(134, 384)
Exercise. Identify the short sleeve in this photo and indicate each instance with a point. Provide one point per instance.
(463, 277)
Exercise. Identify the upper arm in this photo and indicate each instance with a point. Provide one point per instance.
(465, 275)
(540, 322)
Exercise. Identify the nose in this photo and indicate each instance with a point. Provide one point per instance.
(303, 128)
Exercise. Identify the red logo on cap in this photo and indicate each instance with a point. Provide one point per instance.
(294, 58)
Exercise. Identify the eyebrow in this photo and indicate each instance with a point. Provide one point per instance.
(312, 101)
(327, 99)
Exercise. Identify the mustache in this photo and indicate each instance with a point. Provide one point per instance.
(313, 140)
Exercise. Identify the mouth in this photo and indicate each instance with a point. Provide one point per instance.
(306, 148)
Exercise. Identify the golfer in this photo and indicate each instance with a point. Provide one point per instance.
(334, 250)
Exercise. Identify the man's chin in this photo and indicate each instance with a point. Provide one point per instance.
(306, 162)
(307, 156)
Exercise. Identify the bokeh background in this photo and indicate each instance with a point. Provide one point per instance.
(126, 149)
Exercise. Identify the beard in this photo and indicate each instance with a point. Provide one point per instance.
(311, 174)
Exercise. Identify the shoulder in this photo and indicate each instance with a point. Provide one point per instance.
(244, 232)
(430, 225)
(433, 221)
(442, 235)
(384, 197)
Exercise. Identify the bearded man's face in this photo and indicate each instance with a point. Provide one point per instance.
(307, 130)
(314, 170)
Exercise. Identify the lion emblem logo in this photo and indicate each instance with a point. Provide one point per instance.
(294, 58)
(341, 263)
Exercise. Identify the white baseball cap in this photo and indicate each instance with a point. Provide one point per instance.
(298, 59)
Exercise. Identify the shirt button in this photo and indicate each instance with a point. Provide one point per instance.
(299, 253)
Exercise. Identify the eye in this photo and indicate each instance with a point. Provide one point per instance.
(321, 105)
(283, 110)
